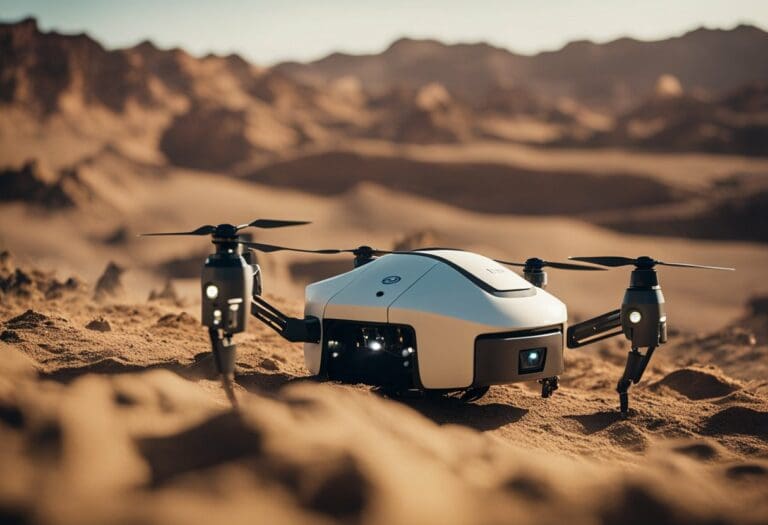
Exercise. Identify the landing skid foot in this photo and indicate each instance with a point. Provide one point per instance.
(548, 386)
(474, 393)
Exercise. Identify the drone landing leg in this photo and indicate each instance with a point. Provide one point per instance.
(633, 372)
(474, 393)
(224, 351)
(549, 385)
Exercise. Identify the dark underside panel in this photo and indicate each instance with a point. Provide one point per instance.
(522, 356)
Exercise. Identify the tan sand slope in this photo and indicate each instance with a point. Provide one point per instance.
(129, 425)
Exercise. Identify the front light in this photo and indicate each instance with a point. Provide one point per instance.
(635, 317)
(531, 360)
(211, 291)
(371, 353)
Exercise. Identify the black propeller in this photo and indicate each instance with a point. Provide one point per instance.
(270, 248)
(202, 230)
(641, 262)
(535, 263)
(271, 223)
(367, 251)
(230, 230)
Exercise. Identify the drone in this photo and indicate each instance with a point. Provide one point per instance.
(438, 320)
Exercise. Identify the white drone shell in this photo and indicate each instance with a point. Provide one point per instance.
(450, 298)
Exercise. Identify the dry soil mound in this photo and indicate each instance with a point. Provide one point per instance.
(695, 383)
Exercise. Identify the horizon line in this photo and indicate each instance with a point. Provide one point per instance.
(445, 42)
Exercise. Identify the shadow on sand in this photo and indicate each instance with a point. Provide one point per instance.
(442, 409)
(446, 409)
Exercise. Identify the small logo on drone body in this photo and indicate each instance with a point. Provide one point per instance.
(391, 279)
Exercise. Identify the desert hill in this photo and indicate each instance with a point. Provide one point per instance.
(733, 123)
(29, 184)
(613, 75)
(57, 84)
(66, 94)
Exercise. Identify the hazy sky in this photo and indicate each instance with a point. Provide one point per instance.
(269, 31)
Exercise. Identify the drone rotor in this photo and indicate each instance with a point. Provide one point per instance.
(641, 318)
(642, 263)
(535, 263)
(270, 248)
(230, 230)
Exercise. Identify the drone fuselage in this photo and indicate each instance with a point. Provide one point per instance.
(437, 319)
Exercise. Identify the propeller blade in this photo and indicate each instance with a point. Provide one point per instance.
(556, 265)
(202, 230)
(686, 265)
(270, 248)
(271, 223)
(644, 262)
(510, 263)
(606, 260)
(567, 266)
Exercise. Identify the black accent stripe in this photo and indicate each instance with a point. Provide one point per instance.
(544, 330)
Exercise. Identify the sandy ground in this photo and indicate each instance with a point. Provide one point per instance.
(129, 425)
(690, 170)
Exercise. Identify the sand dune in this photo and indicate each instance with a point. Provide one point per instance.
(495, 188)
(130, 197)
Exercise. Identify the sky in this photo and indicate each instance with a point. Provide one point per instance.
(271, 31)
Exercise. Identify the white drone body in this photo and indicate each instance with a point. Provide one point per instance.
(437, 319)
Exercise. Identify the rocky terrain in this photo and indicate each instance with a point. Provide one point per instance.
(687, 93)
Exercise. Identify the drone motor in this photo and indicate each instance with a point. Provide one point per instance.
(230, 278)
(641, 318)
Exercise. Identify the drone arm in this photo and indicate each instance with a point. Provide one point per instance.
(294, 330)
(595, 329)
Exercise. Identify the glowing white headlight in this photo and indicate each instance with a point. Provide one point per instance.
(211, 291)
(635, 317)
(375, 346)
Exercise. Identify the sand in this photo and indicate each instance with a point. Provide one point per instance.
(110, 412)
